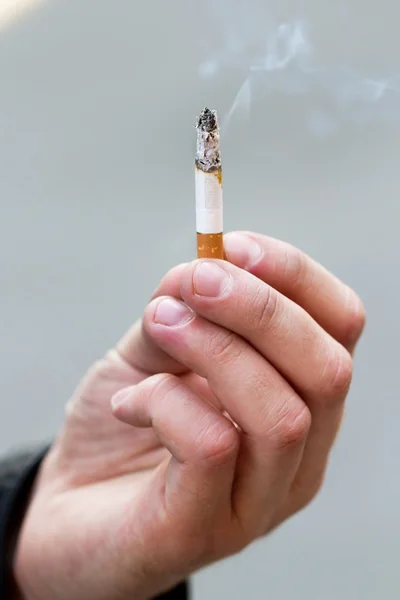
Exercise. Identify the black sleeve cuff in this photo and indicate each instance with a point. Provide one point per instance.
(17, 476)
(179, 593)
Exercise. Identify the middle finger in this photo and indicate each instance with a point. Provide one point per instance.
(285, 334)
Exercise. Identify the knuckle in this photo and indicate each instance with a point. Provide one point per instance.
(219, 443)
(292, 428)
(296, 269)
(224, 347)
(338, 374)
(266, 309)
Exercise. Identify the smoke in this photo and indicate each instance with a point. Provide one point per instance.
(279, 60)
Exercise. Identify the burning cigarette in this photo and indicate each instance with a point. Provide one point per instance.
(209, 217)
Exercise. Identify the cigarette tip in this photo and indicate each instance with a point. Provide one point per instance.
(208, 120)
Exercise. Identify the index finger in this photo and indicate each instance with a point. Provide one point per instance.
(334, 305)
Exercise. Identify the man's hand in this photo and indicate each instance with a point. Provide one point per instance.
(209, 424)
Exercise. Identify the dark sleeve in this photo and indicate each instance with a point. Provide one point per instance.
(17, 476)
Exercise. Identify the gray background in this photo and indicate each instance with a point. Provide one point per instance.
(97, 103)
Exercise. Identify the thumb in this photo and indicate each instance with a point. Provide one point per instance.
(138, 349)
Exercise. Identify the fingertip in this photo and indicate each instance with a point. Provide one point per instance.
(168, 312)
(211, 277)
(242, 249)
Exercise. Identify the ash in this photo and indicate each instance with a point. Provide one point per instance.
(208, 120)
(208, 157)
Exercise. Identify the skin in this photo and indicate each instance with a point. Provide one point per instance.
(207, 426)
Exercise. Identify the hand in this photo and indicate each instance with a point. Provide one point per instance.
(227, 398)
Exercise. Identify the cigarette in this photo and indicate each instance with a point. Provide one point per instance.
(209, 209)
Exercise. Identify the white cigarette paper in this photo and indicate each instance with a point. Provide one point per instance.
(209, 208)
(209, 211)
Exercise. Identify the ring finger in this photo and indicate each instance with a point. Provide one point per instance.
(273, 419)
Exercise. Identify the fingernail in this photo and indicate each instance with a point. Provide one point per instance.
(242, 250)
(210, 280)
(170, 312)
(119, 399)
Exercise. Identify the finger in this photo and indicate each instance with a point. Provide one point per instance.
(273, 419)
(139, 350)
(335, 306)
(204, 444)
(284, 333)
(313, 362)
